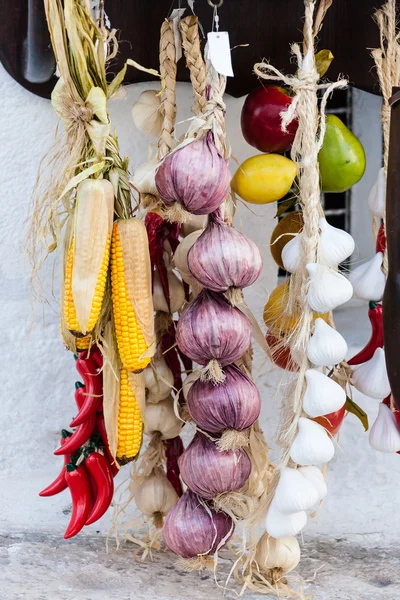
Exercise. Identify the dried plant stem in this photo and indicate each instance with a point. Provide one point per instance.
(191, 46)
(387, 61)
(168, 94)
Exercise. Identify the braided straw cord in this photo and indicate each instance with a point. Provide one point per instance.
(168, 94)
(189, 27)
(387, 60)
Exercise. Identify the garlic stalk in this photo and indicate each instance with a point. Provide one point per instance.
(385, 434)
(294, 493)
(326, 346)
(369, 280)
(370, 378)
(328, 289)
(272, 553)
(312, 444)
(280, 525)
(323, 395)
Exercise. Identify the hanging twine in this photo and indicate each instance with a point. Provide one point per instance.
(387, 60)
(306, 146)
(189, 28)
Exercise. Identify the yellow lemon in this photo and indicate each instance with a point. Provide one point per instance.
(275, 314)
(264, 178)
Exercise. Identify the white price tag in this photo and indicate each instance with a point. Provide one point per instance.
(219, 52)
(175, 17)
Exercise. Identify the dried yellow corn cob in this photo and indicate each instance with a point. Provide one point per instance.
(88, 255)
(130, 425)
(131, 294)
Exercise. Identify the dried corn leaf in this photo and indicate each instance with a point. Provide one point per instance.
(93, 226)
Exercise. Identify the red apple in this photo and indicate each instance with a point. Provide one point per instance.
(261, 119)
(281, 354)
(333, 421)
(381, 239)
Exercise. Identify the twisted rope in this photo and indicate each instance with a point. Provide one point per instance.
(387, 60)
(189, 28)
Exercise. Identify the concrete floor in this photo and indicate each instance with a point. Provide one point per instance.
(43, 567)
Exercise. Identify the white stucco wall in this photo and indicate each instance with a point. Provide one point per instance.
(38, 375)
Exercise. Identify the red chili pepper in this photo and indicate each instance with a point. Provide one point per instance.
(81, 435)
(173, 450)
(381, 239)
(78, 483)
(89, 371)
(99, 470)
(59, 484)
(376, 339)
(101, 430)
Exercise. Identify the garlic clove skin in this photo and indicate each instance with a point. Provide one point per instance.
(312, 444)
(189, 381)
(176, 293)
(280, 525)
(323, 395)
(385, 434)
(144, 177)
(377, 195)
(181, 253)
(291, 253)
(158, 380)
(315, 476)
(369, 280)
(335, 245)
(326, 346)
(161, 418)
(146, 113)
(155, 496)
(272, 553)
(294, 493)
(328, 289)
(370, 378)
(194, 223)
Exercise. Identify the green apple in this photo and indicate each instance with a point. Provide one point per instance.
(341, 158)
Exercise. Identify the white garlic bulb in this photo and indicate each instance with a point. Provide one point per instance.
(281, 554)
(146, 113)
(368, 279)
(280, 525)
(180, 256)
(385, 434)
(161, 418)
(370, 378)
(294, 492)
(328, 289)
(315, 476)
(326, 346)
(377, 195)
(176, 293)
(312, 444)
(189, 381)
(144, 178)
(335, 245)
(158, 380)
(194, 223)
(323, 395)
(291, 253)
(155, 496)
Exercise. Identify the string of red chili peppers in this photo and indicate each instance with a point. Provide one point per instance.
(89, 468)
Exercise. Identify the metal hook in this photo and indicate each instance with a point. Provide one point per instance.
(217, 5)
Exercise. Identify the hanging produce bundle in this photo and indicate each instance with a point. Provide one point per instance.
(106, 305)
